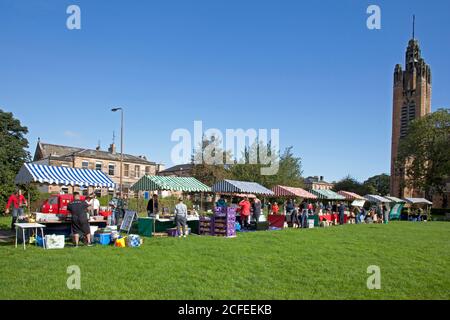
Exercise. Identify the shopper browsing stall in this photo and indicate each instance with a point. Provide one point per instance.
(181, 218)
(244, 207)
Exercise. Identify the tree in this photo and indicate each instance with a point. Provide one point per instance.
(13, 153)
(379, 184)
(424, 153)
(289, 167)
(352, 185)
(209, 171)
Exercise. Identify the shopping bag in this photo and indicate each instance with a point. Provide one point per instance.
(120, 243)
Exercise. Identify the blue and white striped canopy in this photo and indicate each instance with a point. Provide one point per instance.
(232, 186)
(44, 174)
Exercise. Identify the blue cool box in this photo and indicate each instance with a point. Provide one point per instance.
(103, 238)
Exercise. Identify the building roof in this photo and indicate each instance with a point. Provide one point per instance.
(181, 167)
(317, 180)
(66, 153)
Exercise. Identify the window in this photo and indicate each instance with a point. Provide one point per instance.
(85, 164)
(137, 171)
(98, 166)
(126, 169)
(112, 169)
(148, 170)
(64, 190)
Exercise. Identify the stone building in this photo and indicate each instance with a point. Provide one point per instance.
(317, 183)
(412, 100)
(183, 170)
(134, 167)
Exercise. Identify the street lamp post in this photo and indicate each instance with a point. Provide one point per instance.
(121, 149)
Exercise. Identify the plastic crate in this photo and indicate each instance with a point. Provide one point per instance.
(103, 238)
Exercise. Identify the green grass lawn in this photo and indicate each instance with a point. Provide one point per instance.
(294, 264)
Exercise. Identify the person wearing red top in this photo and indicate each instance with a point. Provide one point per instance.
(244, 206)
(275, 208)
(17, 203)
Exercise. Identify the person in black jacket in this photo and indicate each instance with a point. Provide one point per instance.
(153, 205)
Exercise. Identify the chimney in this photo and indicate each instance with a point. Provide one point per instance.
(112, 148)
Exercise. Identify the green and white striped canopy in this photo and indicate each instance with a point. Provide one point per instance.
(160, 183)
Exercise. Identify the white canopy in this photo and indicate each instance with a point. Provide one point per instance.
(418, 201)
(377, 199)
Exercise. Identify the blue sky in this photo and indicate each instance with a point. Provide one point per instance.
(310, 68)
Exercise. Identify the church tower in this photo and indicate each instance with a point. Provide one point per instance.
(412, 100)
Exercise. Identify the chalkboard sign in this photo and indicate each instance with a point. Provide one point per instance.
(128, 221)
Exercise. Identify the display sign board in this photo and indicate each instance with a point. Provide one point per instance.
(128, 221)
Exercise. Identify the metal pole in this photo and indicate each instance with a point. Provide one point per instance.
(121, 156)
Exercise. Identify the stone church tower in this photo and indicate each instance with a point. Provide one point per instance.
(412, 100)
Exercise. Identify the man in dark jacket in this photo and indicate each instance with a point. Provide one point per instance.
(153, 205)
(256, 208)
(341, 209)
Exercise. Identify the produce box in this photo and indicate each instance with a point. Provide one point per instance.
(54, 242)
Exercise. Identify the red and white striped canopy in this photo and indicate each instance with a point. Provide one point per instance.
(282, 191)
(350, 195)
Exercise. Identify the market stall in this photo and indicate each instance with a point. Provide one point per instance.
(165, 222)
(59, 222)
(295, 193)
(419, 209)
(397, 206)
(355, 203)
(331, 197)
(235, 188)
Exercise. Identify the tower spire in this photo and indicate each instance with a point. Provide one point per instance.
(414, 27)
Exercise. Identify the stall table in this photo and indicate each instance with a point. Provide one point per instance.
(65, 227)
(276, 221)
(29, 226)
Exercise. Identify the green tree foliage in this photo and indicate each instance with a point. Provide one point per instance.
(426, 152)
(380, 184)
(289, 172)
(212, 169)
(248, 168)
(13, 153)
(352, 185)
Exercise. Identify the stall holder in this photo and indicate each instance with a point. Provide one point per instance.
(31, 173)
(235, 188)
(160, 183)
(329, 196)
(291, 193)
